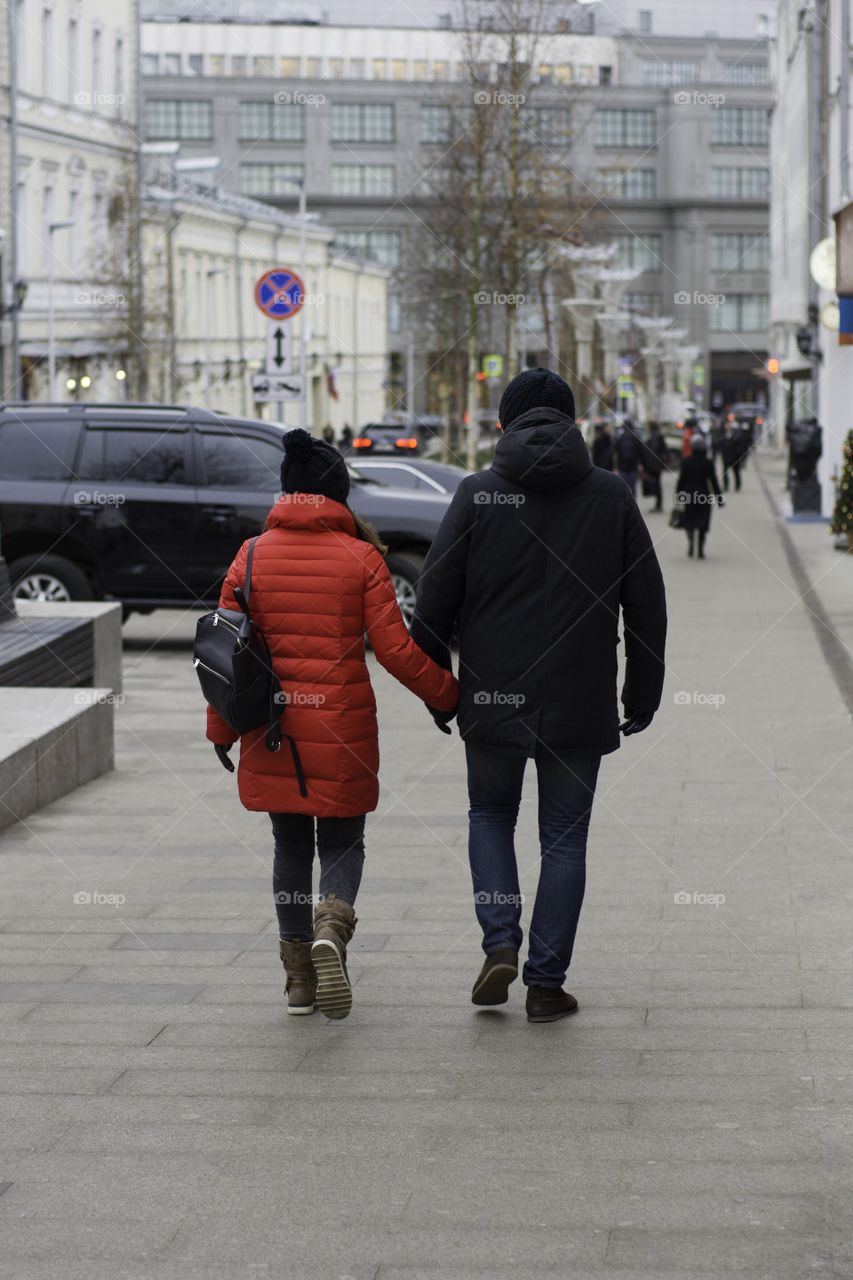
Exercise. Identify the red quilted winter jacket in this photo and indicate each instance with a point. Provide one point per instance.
(316, 589)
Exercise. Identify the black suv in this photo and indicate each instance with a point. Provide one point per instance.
(148, 504)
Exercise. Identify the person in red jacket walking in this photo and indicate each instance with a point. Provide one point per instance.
(319, 582)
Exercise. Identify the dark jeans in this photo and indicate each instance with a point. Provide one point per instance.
(734, 468)
(566, 790)
(340, 846)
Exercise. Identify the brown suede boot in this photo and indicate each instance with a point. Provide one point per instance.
(334, 925)
(301, 985)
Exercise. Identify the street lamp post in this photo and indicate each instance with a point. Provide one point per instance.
(52, 228)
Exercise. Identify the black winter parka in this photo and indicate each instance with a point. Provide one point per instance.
(531, 565)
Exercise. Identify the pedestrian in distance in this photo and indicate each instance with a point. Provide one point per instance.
(602, 447)
(696, 492)
(532, 564)
(329, 433)
(654, 459)
(627, 453)
(736, 446)
(346, 438)
(319, 582)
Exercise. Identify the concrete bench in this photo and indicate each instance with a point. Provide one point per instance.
(53, 740)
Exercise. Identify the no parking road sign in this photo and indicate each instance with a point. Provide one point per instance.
(279, 293)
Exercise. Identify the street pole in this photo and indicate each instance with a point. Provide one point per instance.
(52, 228)
(14, 238)
(303, 354)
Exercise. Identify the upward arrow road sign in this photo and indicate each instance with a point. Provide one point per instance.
(279, 347)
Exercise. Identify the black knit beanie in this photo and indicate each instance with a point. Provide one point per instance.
(535, 389)
(312, 466)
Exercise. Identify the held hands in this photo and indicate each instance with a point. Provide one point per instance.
(636, 721)
(442, 718)
(222, 757)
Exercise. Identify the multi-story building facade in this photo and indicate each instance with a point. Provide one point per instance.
(667, 142)
(70, 166)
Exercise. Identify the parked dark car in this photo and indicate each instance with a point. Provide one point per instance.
(383, 437)
(148, 504)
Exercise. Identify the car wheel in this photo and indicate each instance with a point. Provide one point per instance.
(405, 571)
(51, 578)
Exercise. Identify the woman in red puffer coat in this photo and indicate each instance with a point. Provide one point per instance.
(319, 582)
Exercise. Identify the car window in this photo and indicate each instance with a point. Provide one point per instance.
(36, 450)
(146, 457)
(247, 462)
(400, 477)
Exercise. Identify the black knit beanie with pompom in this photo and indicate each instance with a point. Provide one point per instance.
(312, 466)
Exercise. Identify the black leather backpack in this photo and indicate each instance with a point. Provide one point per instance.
(234, 667)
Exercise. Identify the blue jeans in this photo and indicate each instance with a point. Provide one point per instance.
(566, 790)
(340, 847)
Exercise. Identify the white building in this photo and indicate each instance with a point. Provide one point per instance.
(71, 161)
(810, 186)
(205, 338)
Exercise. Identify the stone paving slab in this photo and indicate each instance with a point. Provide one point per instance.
(162, 1119)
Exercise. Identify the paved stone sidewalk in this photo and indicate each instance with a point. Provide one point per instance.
(162, 1118)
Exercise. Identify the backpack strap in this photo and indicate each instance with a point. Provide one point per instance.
(247, 584)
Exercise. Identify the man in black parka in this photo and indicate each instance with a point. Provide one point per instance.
(531, 566)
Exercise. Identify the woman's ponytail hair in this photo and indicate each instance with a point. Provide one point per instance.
(367, 533)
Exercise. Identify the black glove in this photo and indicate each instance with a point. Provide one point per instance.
(442, 718)
(636, 721)
(222, 756)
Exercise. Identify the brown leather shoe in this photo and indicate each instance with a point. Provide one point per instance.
(500, 968)
(547, 1004)
(334, 925)
(301, 984)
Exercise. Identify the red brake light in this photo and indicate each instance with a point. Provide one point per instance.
(362, 442)
(406, 442)
(759, 422)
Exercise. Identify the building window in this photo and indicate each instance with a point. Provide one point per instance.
(741, 313)
(663, 73)
(624, 128)
(378, 68)
(563, 73)
(195, 64)
(46, 52)
(263, 68)
(643, 253)
(150, 64)
(171, 64)
(628, 184)
(393, 314)
(266, 179)
(441, 71)
(740, 127)
(740, 184)
(289, 68)
(740, 251)
(398, 69)
(644, 304)
(118, 71)
(73, 53)
(546, 126)
(97, 46)
(239, 64)
(644, 23)
(216, 64)
(314, 68)
(382, 246)
(262, 120)
(419, 69)
(362, 180)
(168, 119)
(436, 123)
(746, 73)
(362, 122)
